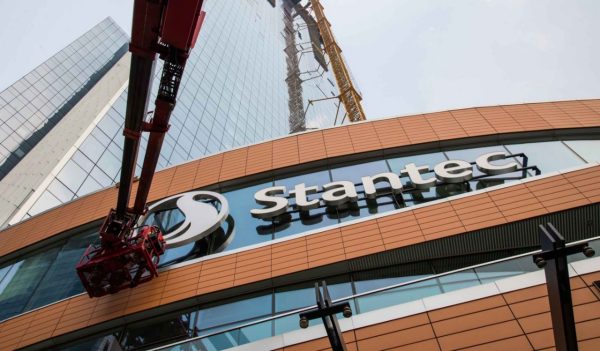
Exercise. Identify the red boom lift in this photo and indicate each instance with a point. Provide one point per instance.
(126, 255)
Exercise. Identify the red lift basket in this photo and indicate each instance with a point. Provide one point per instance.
(135, 261)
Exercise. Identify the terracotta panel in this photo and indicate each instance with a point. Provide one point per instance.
(484, 222)
(160, 184)
(466, 205)
(364, 137)
(590, 278)
(517, 216)
(363, 250)
(499, 119)
(542, 339)
(286, 152)
(325, 259)
(12, 331)
(252, 279)
(536, 322)
(183, 179)
(448, 229)
(397, 338)
(427, 345)
(234, 164)
(480, 208)
(337, 142)
(481, 335)
(285, 261)
(252, 255)
(589, 345)
(323, 238)
(566, 204)
(526, 294)
(311, 146)
(518, 343)
(390, 133)
(391, 326)
(292, 246)
(472, 321)
(418, 129)
(208, 170)
(253, 266)
(390, 244)
(399, 232)
(582, 296)
(290, 268)
(86, 212)
(552, 114)
(260, 158)
(530, 307)
(592, 104)
(520, 199)
(427, 211)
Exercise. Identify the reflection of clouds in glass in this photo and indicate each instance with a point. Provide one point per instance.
(320, 120)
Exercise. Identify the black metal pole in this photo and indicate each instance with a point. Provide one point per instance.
(326, 310)
(559, 289)
(554, 259)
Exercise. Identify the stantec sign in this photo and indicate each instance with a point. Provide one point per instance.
(341, 192)
(201, 217)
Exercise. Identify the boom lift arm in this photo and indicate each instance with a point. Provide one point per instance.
(126, 255)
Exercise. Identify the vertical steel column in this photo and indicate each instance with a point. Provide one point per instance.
(326, 310)
(554, 259)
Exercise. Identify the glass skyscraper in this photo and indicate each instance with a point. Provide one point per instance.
(37, 102)
(258, 71)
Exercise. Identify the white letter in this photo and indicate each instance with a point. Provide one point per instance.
(300, 191)
(339, 193)
(414, 173)
(484, 165)
(264, 197)
(369, 183)
(453, 171)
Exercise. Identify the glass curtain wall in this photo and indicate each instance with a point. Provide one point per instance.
(237, 89)
(34, 104)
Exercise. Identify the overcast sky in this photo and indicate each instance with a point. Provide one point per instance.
(408, 56)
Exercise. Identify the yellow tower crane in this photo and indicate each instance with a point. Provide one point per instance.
(348, 93)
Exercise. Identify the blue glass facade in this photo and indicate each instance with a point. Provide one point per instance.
(254, 69)
(33, 105)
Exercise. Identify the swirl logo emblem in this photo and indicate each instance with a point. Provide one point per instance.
(204, 211)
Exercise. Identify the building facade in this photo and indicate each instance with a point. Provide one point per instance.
(258, 72)
(38, 112)
(425, 224)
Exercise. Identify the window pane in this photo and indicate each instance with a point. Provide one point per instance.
(548, 156)
(588, 149)
(19, 284)
(237, 311)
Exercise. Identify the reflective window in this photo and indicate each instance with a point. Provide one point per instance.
(20, 282)
(37, 102)
(431, 159)
(548, 156)
(250, 308)
(234, 92)
(589, 150)
(248, 230)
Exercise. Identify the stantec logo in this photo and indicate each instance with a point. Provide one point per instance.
(204, 212)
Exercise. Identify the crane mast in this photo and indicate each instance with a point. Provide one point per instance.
(127, 255)
(348, 93)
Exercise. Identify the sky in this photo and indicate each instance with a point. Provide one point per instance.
(406, 56)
